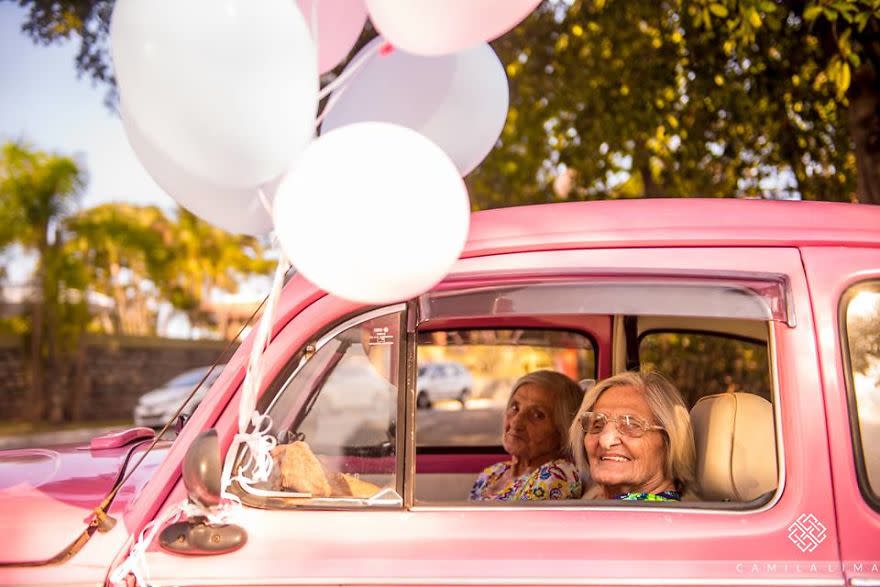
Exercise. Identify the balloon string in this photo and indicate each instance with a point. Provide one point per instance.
(351, 69)
(337, 87)
(264, 199)
(254, 374)
(382, 49)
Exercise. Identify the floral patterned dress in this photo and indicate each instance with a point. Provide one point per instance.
(557, 479)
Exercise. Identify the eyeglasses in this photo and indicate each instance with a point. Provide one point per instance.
(627, 424)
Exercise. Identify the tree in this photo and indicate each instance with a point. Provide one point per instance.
(141, 259)
(36, 190)
(690, 98)
(205, 259)
(625, 98)
(124, 250)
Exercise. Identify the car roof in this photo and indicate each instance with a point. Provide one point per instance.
(671, 222)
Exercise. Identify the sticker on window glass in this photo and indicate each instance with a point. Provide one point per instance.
(381, 336)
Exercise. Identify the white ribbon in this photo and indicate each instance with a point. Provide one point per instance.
(254, 375)
(256, 461)
(136, 562)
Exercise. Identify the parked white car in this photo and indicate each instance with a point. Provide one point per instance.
(443, 380)
(156, 407)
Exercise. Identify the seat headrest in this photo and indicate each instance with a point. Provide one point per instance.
(736, 446)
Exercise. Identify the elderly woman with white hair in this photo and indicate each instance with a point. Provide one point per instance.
(632, 437)
(539, 412)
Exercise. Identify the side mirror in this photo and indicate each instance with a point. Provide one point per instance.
(201, 470)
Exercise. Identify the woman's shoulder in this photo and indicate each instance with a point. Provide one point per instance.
(495, 469)
(559, 466)
(556, 479)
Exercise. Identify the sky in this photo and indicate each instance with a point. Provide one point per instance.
(43, 102)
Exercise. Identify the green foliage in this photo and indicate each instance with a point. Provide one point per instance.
(711, 98)
(141, 258)
(36, 190)
(632, 98)
(135, 256)
(703, 364)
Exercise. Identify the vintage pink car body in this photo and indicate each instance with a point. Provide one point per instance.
(820, 249)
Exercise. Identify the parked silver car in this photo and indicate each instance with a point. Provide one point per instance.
(443, 380)
(157, 406)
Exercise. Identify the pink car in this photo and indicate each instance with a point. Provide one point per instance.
(766, 315)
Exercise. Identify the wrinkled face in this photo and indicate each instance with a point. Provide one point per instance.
(529, 431)
(622, 464)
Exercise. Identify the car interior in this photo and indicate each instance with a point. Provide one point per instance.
(713, 342)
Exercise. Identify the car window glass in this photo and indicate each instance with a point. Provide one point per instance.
(862, 315)
(463, 406)
(710, 337)
(335, 418)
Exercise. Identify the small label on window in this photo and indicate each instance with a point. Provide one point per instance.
(381, 337)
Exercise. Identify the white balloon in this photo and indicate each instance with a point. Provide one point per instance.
(228, 90)
(372, 212)
(239, 211)
(459, 101)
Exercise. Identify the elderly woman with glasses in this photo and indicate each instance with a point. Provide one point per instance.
(539, 412)
(632, 437)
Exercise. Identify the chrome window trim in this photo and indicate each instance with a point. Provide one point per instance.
(331, 334)
(585, 505)
(317, 346)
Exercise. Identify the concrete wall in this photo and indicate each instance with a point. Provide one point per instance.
(115, 371)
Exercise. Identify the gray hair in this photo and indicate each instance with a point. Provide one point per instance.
(566, 399)
(668, 408)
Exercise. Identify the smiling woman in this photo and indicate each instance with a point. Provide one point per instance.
(633, 436)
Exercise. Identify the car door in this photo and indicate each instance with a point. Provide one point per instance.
(789, 538)
(845, 285)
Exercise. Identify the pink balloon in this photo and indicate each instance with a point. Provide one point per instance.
(432, 27)
(339, 24)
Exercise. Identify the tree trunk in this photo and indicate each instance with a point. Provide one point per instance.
(642, 162)
(864, 121)
(35, 398)
(79, 383)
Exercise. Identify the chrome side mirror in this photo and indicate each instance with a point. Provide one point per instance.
(201, 469)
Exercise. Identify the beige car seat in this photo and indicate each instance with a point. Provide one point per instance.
(736, 446)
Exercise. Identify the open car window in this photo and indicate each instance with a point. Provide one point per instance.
(711, 338)
(461, 403)
(701, 363)
(335, 419)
